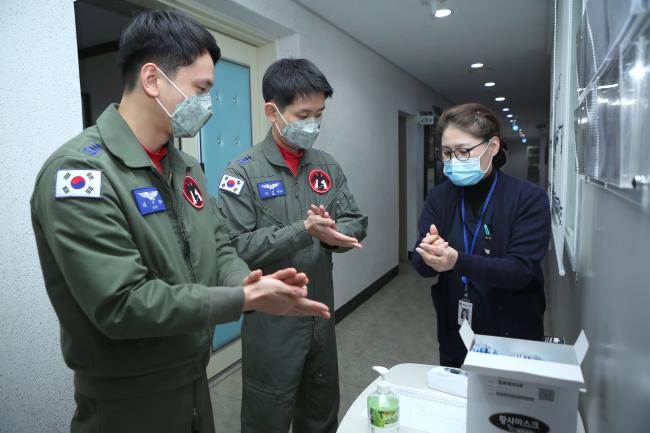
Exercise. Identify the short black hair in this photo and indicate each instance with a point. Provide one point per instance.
(287, 78)
(167, 38)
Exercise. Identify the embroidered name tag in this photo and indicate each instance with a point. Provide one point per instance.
(273, 188)
(148, 200)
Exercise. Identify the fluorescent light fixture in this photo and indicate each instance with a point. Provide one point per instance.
(509, 116)
(505, 109)
(438, 9)
(638, 71)
(477, 65)
(606, 86)
(500, 98)
(490, 84)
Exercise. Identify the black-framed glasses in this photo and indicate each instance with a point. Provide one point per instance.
(461, 154)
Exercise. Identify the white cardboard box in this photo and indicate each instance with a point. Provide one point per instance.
(522, 395)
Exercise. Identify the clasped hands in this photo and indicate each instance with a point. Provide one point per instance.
(436, 252)
(320, 225)
(283, 293)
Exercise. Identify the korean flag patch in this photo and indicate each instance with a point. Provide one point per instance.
(78, 183)
(231, 184)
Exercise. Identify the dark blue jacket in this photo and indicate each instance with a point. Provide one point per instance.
(506, 279)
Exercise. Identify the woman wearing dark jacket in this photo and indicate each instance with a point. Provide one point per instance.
(485, 234)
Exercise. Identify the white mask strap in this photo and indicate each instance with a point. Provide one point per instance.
(161, 106)
(276, 109)
(171, 82)
(479, 158)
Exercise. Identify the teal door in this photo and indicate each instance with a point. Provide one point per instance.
(227, 133)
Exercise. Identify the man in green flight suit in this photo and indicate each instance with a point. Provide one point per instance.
(287, 204)
(135, 256)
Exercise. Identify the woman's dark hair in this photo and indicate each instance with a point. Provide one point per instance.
(476, 120)
(167, 38)
(287, 78)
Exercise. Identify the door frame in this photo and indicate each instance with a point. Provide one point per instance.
(239, 43)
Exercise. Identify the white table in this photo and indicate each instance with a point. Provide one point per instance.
(409, 375)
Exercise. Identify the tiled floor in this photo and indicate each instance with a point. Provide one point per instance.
(377, 333)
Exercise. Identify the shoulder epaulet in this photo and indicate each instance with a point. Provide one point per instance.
(92, 149)
(244, 160)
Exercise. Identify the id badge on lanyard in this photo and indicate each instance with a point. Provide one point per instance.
(465, 306)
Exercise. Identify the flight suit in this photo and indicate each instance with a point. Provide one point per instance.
(290, 368)
(139, 269)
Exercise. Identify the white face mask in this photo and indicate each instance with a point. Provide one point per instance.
(300, 134)
(191, 114)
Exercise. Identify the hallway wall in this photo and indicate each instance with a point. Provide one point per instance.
(517, 164)
(608, 297)
(41, 109)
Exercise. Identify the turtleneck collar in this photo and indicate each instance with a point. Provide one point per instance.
(476, 194)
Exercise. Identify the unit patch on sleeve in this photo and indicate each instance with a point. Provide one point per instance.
(231, 184)
(192, 192)
(78, 183)
(273, 188)
(319, 181)
(148, 200)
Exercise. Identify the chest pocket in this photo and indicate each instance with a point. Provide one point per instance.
(338, 204)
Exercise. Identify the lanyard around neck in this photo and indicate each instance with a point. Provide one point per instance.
(470, 250)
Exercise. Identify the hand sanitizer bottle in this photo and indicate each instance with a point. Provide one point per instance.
(383, 406)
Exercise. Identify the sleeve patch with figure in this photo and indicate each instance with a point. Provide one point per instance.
(149, 200)
(78, 183)
(192, 192)
(231, 184)
(273, 188)
(319, 181)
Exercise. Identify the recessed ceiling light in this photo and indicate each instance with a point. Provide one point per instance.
(490, 84)
(476, 65)
(500, 98)
(509, 116)
(441, 13)
(523, 140)
(505, 109)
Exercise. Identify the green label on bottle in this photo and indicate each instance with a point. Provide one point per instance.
(384, 418)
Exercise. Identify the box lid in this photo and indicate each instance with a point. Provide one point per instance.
(561, 366)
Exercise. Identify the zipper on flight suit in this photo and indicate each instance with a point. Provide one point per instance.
(313, 328)
(179, 219)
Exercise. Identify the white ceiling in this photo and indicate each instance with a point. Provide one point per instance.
(512, 38)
